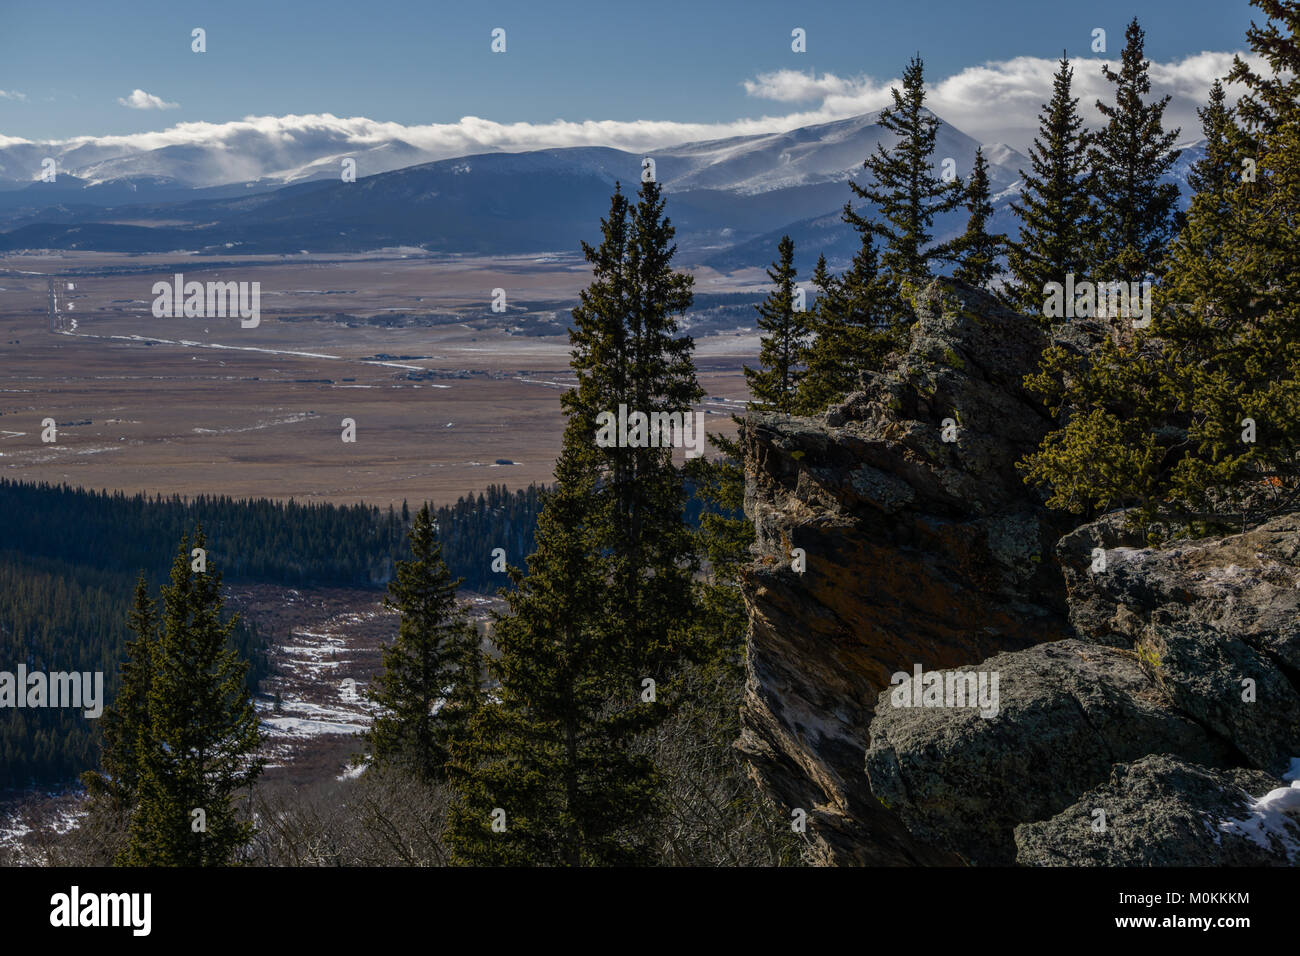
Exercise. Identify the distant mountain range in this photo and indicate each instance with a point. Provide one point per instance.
(730, 199)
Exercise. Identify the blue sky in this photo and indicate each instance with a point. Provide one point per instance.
(64, 68)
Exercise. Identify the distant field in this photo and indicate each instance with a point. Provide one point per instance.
(440, 387)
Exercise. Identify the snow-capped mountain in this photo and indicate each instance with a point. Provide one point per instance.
(730, 199)
(270, 155)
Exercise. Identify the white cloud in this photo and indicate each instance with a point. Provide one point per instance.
(140, 100)
(791, 86)
(999, 101)
(12, 95)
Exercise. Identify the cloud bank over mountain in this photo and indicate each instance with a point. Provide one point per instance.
(997, 101)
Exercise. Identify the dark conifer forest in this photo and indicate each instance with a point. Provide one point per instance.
(69, 559)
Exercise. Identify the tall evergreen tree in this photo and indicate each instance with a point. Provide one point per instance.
(608, 598)
(784, 324)
(1054, 205)
(430, 682)
(862, 316)
(976, 251)
(904, 187)
(550, 775)
(1271, 100)
(627, 349)
(202, 738)
(1136, 213)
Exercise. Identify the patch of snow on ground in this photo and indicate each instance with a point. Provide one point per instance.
(351, 773)
(300, 727)
(1274, 818)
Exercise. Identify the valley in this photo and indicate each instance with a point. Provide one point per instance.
(447, 396)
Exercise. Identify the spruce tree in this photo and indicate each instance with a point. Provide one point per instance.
(862, 316)
(1196, 421)
(1136, 213)
(550, 775)
(627, 349)
(904, 187)
(976, 251)
(429, 685)
(201, 744)
(783, 322)
(608, 600)
(1054, 204)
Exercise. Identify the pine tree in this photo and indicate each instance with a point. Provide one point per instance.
(1136, 213)
(550, 775)
(784, 324)
(976, 251)
(904, 188)
(429, 685)
(1208, 285)
(862, 316)
(202, 738)
(608, 598)
(1054, 206)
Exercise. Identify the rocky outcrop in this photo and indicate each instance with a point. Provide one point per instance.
(1160, 686)
(918, 551)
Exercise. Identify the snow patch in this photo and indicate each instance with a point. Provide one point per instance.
(1274, 818)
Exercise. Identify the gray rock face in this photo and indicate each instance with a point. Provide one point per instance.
(1163, 811)
(1182, 651)
(918, 551)
(1170, 678)
(1067, 712)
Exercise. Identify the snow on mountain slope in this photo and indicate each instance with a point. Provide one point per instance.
(731, 199)
(742, 164)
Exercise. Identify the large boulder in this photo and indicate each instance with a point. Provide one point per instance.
(1182, 651)
(1066, 713)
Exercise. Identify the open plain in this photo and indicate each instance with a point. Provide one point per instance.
(443, 390)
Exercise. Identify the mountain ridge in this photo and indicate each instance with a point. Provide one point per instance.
(731, 199)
